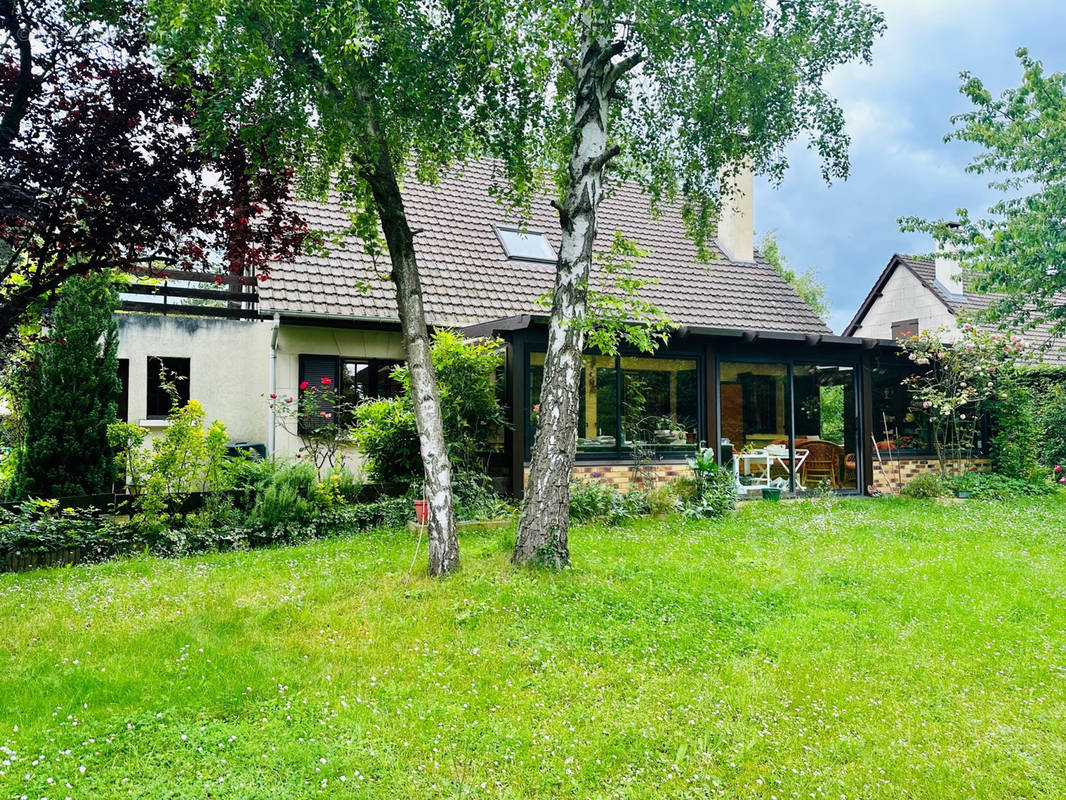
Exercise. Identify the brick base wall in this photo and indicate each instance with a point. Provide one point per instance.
(621, 475)
(906, 469)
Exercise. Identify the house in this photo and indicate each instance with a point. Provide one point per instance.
(914, 294)
(750, 366)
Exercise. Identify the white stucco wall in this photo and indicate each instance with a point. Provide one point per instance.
(228, 365)
(904, 297)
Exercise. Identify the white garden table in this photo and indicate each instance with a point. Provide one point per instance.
(758, 464)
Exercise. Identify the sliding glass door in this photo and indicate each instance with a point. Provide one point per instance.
(787, 425)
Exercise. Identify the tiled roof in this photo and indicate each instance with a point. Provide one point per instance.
(1039, 337)
(467, 279)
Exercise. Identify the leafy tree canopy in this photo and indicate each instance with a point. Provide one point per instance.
(103, 167)
(805, 283)
(1019, 248)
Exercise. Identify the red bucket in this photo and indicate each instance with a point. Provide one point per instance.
(421, 512)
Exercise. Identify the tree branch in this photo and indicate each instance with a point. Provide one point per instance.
(621, 68)
(20, 97)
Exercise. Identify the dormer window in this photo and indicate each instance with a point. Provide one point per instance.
(524, 244)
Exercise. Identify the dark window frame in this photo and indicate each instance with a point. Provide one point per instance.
(158, 404)
(621, 452)
(123, 406)
(337, 375)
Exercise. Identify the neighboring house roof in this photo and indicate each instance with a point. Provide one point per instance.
(924, 269)
(467, 279)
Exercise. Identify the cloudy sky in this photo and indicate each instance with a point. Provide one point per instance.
(898, 111)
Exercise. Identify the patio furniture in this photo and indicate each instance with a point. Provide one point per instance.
(757, 465)
(822, 464)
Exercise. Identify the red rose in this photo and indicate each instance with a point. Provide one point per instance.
(303, 385)
(273, 397)
(327, 381)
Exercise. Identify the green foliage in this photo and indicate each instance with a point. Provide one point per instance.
(334, 85)
(1047, 390)
(664, 498)
(467, 377)
(712, 493)
(185, 459)
(594, 500)
(1019, 248)
(958, 377)
(385, 432)
(290, 497)
(1052, 422)
(475, 498)
(617, 313)
(42, 526)
(993, 486)
(1015, 432)
(806, 284)
(72, 391)
(927, 486)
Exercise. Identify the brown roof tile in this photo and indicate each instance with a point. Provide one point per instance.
(467, 279)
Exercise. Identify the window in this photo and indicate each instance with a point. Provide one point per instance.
(357, 379)
(363, 379)
(628, 401)
(525, 245)
(904, 329)
(898, 425)
(123, 410)
(167, 377)
(826, 425)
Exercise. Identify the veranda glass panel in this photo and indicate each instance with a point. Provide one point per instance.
(597, 426)
(660, 403)
(826, 419)
(755, 412)
(898, 425)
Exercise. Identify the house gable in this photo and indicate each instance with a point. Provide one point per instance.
(901, 294)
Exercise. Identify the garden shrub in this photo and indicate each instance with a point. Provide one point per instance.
(71, 396)
(712, 493)
(927, 486)
(603, 502)
(1051, 421)
(475, 498)
(993, 486)
(42, 526)
(468, 377)
(290, 497)
(185, 459)
(1013, 448)
(387, 436)
(664, 498)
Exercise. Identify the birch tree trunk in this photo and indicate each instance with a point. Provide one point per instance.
(542, 530)
(443, 544)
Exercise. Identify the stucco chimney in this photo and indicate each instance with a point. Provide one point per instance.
(736, 224)
(947, 271)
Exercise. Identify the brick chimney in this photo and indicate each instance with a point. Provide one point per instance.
(736, 224)
(947, 271)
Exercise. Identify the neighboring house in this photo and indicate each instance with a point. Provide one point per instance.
(750, 364)
(914, 294)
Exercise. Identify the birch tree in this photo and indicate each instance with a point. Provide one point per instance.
(369, 93)
(676, 95)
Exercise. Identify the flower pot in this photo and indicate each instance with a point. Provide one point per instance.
(421, 511)
(771, 494)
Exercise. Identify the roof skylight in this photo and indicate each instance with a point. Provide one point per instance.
(525, 244)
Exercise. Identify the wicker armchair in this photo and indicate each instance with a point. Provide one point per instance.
(822, 464)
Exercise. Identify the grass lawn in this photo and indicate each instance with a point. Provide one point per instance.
(827, 649)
